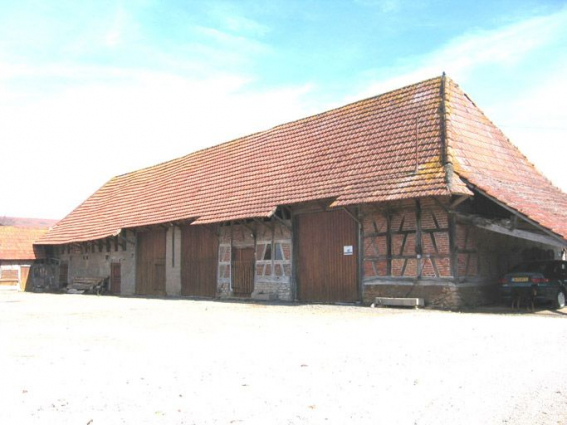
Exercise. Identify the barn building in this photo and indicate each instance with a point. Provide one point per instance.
(22, 263)
(412, 193)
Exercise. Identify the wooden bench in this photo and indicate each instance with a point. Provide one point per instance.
(93, 285)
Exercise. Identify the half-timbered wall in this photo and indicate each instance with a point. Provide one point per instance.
(416, 249)
(406, 240)
(272, 246)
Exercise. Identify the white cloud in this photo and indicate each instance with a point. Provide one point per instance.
(463, 56)
(536, 121)
(230, 18)
(72, 141)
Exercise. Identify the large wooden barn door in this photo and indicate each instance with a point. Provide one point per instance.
(242, 271)
(199, 261)
(327, 267)
(150, 264)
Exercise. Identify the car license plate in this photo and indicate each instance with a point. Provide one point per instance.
(520, 279)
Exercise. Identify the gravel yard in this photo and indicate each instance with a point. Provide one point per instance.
(78, 359)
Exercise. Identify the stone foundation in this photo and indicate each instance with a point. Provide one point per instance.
(439, 295)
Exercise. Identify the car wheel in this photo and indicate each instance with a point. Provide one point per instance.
(560, 299)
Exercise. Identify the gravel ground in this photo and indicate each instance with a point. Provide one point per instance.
(79, 359)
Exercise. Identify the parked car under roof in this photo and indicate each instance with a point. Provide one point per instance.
(548, 279)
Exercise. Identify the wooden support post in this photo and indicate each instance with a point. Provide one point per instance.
(418, 247)
(294, 257)
(282, 221)
(453, 247)
(458, 201)
(440, 204)
(389, 243)
(360, 259)
(353, 216)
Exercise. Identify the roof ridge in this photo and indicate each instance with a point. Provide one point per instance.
(276, 127)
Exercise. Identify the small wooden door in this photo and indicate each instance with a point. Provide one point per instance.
(242, 271)
(199, 261)
(150, 264)
(327, 269)
(115, 278)
(24, 276)
(63, 274)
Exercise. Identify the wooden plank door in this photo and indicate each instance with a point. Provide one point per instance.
(199, 261)
(24, 276)
(150, 262)
(242, 271)
(324, 272)
(115, 277)
(63, 274)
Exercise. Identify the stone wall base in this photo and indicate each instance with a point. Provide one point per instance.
(444, 296)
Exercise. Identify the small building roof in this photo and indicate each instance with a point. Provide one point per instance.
(17, 243)
(397, 145)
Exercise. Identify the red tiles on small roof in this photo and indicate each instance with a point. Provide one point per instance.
(16, 243)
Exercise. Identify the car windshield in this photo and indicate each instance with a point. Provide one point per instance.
(535, 267)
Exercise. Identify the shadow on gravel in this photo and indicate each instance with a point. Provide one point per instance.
(505, 310)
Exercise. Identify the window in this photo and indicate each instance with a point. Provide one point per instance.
(268, 252)
(278, 255)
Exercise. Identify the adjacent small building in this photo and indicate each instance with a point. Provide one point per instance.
(18, 255)
(414, 192)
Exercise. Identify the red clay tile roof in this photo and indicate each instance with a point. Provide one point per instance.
(383, 148)
(484, 157)
(16, 243)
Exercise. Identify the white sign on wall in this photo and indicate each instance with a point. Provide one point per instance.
(347, 250)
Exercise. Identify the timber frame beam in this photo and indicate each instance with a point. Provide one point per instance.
(559, 241)
(282, 221)
(504, 227)
(352, 215)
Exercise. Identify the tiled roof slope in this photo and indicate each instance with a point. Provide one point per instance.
(383, 148)
(16, 243)
(483, 156)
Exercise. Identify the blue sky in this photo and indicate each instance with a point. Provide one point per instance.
(92, 89)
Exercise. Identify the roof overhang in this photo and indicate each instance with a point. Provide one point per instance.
(546, 236)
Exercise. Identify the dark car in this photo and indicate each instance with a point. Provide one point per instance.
(546, 279)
